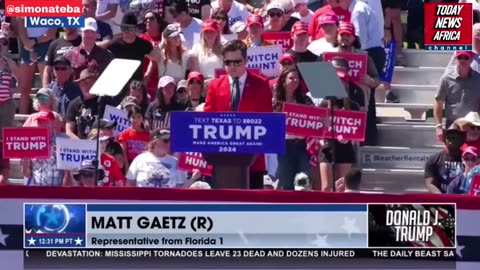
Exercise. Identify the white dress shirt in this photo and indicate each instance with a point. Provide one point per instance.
(367, 28)
(376, 6)
(241, 81)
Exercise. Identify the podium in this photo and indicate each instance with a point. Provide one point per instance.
(230, 171)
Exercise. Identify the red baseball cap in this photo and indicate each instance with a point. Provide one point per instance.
(210, 25)
(255, 19)
(45, 115)
(288, 57)
(469, 54)
(471, 150)
(347, 28)
(194, 75)
(329, 18)
(299, 27)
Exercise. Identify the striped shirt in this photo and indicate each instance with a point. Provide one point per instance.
(5, 83)
(159, 116)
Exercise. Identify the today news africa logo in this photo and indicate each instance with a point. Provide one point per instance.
(448, 26)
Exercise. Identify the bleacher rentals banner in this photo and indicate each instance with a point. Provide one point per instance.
(229, 221)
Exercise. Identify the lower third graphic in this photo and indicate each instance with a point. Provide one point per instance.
(54, 225)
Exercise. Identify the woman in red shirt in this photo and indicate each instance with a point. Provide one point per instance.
(134, 139)
(154, 25)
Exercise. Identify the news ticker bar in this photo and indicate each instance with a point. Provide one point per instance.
(239, 258)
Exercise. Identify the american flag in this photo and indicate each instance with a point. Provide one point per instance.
(313, 149)
(161, 120)
(12, 199)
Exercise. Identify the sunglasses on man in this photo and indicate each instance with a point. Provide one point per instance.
(60, 68)
(275, 14)
(127, 29)
(87, 175)
(182, 91)
(232, 62)
(150, 19)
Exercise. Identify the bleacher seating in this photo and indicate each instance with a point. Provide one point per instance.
(406, 136)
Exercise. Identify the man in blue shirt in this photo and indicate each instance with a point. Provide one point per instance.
(63, 88)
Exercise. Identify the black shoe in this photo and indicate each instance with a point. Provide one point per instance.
(391, 98)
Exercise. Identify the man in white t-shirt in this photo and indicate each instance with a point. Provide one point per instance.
(301, 11)
(109, 11)
(188, 24)
(236, 11)
(329, 26)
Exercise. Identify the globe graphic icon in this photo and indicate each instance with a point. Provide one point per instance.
(52, 218)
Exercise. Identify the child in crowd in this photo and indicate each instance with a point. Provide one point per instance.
(134, 139)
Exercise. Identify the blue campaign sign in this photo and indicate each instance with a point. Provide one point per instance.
(391, 53)
(246, 133)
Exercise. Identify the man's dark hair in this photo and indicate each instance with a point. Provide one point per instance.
(233, 46)
(135, 109)
(353, 179)
(178, 7)
(356, 44)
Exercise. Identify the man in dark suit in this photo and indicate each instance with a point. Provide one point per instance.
(241, 91)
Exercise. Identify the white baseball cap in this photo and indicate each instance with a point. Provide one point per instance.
(297, 2)
(90, 24)
(275, 5)
(166, 80)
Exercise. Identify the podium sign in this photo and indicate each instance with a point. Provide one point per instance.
(227, 133)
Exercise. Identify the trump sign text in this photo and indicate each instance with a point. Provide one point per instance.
(228, 132)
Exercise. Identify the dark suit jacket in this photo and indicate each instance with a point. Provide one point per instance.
(256, 97)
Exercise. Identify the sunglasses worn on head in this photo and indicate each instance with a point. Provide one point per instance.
(275, 14)
(232, 62)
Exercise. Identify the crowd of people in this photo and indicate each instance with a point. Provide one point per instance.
(181, 44)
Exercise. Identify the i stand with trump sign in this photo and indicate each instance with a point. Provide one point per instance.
(26, 142)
